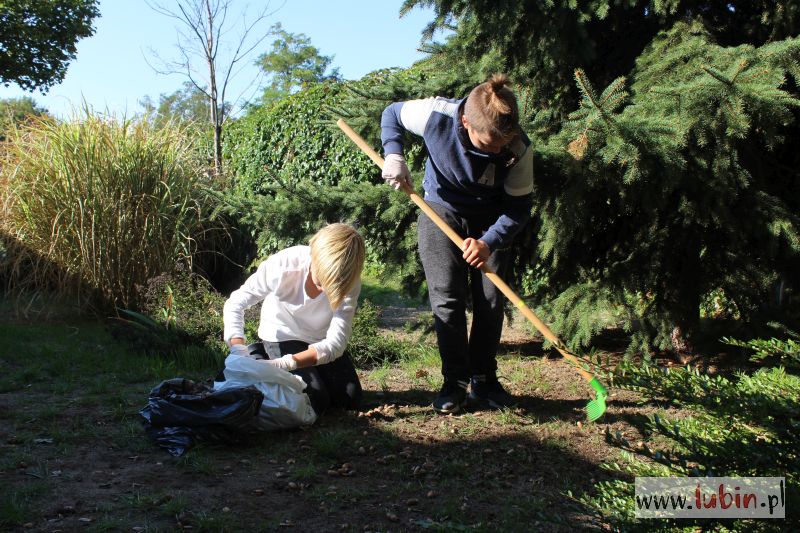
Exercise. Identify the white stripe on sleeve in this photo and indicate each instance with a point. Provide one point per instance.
(414, 114)
(519, 181)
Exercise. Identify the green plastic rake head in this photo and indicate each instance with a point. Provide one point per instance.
(596, 407)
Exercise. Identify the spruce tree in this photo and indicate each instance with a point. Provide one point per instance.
(675, 182)
(664, 135)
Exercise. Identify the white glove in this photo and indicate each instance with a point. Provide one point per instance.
(395, 171)
(240, 349)
(286, 362)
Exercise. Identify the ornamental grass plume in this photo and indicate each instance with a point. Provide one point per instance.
(94, 206)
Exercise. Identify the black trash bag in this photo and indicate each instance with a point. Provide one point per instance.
(181, 412)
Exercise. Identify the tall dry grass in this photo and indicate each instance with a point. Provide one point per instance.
(95, 206)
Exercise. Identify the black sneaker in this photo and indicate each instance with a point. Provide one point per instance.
(452, 397)
(489, 391)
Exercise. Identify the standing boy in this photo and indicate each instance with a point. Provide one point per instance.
(479, 179)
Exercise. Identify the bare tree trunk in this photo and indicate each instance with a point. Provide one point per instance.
(205, 21)
(685, 297)
(216, 123)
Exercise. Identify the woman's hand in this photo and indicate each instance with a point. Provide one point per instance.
(287, 362)
(396, 172)
(291, 362)
(476, 252)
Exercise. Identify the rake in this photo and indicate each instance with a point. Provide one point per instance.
(595, 408)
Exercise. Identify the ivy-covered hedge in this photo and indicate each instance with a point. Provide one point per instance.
(293, 140)
(294, 170)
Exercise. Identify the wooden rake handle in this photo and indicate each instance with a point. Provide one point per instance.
(458, 241)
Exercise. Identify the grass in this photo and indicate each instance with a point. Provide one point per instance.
(303, 471)
(199, 461)
(15, 507)
(99, 191)
(380, 376)
(384, 292)
(83, 389)
(333, 444)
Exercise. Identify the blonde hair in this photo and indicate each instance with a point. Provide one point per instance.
(337, 257)
(491, 108)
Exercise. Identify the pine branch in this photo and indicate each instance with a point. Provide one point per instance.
(717, 75)
(739, 69)
(614, 93)
(586, 89)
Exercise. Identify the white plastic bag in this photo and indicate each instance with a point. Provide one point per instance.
(285, 404)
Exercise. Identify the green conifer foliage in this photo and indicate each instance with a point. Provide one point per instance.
(541, 42)
(677, 179)
(659, 196)
(664, 135)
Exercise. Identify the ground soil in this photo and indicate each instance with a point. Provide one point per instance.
(392, 466)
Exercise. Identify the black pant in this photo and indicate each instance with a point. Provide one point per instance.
(450, 281)
(334, 384)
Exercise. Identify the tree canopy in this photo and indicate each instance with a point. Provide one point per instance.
(666, 181)
(210, 49)
(662, 133)
(14, 111)
(292, 63)
(541, 42)
(38, 39)
(187, 104)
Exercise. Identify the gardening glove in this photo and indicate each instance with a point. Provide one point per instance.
(395, 171)
(240, 349)
(286, 362)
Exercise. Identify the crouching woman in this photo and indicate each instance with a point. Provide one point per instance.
(309, 296)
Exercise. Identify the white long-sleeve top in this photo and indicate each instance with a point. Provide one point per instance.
(287, 312)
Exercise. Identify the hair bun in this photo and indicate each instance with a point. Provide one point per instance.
(498, 82)
(491, 107)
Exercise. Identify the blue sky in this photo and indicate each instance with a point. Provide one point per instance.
(111, 71)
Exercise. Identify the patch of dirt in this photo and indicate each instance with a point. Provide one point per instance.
(398, 467)
(392, 466)
(393, 317)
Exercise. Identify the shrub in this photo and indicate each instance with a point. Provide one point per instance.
(367, 347)
(187, 303)
(180, 309)
(295, 171)
(97, 206)
(292, 140)
(785, 352)
(744, 426)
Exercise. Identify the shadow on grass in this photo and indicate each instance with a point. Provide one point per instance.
(409, 471)
(531, 406)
